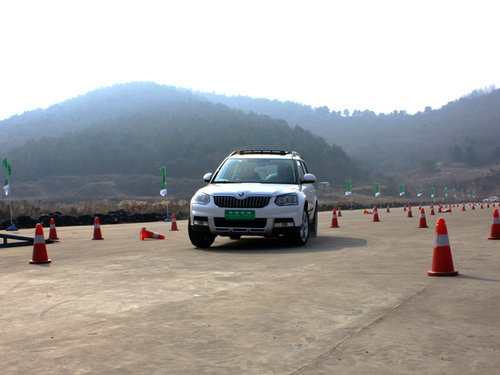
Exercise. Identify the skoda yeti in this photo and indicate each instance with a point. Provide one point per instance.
(266, 193)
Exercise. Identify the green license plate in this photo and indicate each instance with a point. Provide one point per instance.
(240, 215)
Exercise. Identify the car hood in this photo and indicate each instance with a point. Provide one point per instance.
(244, 190)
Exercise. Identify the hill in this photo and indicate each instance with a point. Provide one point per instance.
(463, 131)
(110, 144)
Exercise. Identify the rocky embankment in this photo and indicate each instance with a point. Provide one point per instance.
(112, 217)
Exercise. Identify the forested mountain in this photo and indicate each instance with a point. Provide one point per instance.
(110, 142)
(97, 106)
(464, 131)
(133, 129)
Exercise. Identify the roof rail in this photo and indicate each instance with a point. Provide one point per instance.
(262, 152)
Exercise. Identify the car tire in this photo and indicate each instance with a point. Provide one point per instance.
(314, 224)
(200, 239)
(301, 234)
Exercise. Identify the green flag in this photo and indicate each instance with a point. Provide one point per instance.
(348, 187)
(8, 170)
(401, 190)
(419, 191)
(473, 194)
(377, 189)
(163, 191)
(454, 193)
(7, 167)
(432, 192)
(445, 191)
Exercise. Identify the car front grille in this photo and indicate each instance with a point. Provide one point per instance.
(233, 202)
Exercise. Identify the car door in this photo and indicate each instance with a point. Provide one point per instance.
(307, 189)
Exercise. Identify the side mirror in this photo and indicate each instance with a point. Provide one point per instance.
(207, 177)
(308, 179)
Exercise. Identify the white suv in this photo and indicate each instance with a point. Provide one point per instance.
(255, 192)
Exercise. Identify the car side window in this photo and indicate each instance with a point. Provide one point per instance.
(300, 169)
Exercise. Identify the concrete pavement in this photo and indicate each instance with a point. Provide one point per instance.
(356, 300)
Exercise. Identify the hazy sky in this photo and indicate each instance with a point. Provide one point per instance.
(375, 54)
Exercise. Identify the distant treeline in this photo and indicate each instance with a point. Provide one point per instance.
(464, 131)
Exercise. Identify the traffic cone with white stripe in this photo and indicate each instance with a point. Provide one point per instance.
(440, 209)
(339, 212)
(335, 222)
(53, 231)
(388, 210)
(148, 234)
(39, 248)
(463, 207)
(495, 227)
(375, 214)
(422, 222)
(404, 208)
(442, 261)
(97, 230)
(174, 223)
(409, 212)
(432, 210)
(473, 206)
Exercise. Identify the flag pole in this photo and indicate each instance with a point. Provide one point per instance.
(12, 226)
(163, 191)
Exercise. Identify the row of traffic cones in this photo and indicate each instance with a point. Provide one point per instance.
(40, 255)
(442, 261)
(97, 229)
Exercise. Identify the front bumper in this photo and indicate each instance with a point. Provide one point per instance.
(269, 221)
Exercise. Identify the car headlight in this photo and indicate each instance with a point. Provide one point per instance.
(201, 198)
(287, 200)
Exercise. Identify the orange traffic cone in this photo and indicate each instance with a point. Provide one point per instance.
(442, 262)
(97, 230)
(422, 222)
(335, 222)
(148, 234)
(482, 206)
(388, 210)
(473, 206)
(339, 212)
(39, 249)
(440, 209)
(463, 207)
(495, 227)
(404, 208)
(53, 231)
(432, 210)
(488, 205)
(375, 214)
(409, 212)
(174, 223)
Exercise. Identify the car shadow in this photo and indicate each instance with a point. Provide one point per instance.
(258, 245)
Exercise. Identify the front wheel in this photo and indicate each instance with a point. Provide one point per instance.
(301, 234)
(314, 224)
(200, 239)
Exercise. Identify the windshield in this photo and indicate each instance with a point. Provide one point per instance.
(272, 171)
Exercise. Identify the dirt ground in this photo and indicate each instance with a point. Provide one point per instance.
(355, 300)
